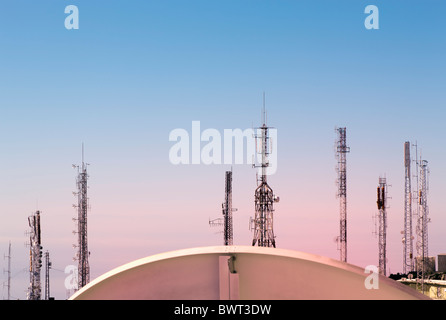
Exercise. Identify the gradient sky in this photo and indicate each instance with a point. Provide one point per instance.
(135, 70)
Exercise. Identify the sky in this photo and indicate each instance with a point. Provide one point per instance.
(136, 70)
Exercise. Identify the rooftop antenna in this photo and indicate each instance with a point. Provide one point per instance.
(407, 232)
(227, 210)
(47, 275)
(422, 228)
(341, 154)
(35, 257)
(262, 224)
(82, 210)
(382, 218)
(8, 272)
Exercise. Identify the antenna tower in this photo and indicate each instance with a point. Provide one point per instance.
(407, 233)
(35, 257)
(82, 209)
(422, 229)
(227, 210)
(382, 216)
(262, 224)
(341, 154)
(47, 275)
(8, 284)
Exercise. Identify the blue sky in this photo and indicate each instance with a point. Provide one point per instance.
(135, 70)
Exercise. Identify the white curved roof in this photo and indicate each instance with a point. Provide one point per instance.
(240, 272)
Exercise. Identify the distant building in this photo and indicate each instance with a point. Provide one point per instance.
(442, 262)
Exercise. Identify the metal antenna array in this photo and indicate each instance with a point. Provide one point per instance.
(35, 257)
(341, 154)
(8, 284)
(82, 209)
(227, 211)
(262, 224)
(47, 275)
(382, 217)
(407, 232)
(422, 229)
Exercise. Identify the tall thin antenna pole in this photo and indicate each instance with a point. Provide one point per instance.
(382, 215)
(35, 257)
(341, 153)
(8, 285)
(227, 210)
(47, 275)
(422, 228)
(408, 234)
(82, 207)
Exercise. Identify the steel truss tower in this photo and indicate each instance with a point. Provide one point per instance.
(82, 210)
(227, 210)
(422, 228)
(35, 257)
(8, 284)
(382, 216)
(407, 233)
(47, 275)
(262, 224)
(341, 154)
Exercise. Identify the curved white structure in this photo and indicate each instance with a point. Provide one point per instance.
(241, 272)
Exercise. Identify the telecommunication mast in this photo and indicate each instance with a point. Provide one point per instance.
(82, 206)
(262, 224)
(341, 154)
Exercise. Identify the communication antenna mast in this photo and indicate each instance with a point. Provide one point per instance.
(407, 233)
(82, 210)
(341, 154)
(35, 257)
(8, 272)
(422, 228)
(382, 217)
(47, 275)
(227, 211)
(262, 224)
